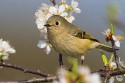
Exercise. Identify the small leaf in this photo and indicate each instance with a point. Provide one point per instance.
(111, 58)
(112, 28)
(104, 58)
(74, 64)
(1, 57)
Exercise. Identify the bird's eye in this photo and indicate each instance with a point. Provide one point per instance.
(57, 23)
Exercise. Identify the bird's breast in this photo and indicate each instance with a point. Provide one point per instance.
(67, 44)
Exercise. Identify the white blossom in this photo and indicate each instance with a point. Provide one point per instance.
(58, 10)
(89, 77)
(44, 7)
(45, 44)
(5, 49)
(5, 57)
(117, 40)
(84, 72)
(114, 66)
(111, 80)
(74, 5)
(109, 36)
(61, 74)
(40, 23)
(70, 18)
(107, 32)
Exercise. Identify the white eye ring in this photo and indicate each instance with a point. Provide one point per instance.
(57, 23)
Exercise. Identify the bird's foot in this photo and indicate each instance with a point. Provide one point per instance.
(60, 60)
(82, 59)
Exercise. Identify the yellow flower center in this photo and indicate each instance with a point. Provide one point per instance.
(119, 38)
(62, 3)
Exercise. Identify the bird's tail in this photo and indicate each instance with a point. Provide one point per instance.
(105, 47)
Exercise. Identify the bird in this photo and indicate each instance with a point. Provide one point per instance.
(70, 40)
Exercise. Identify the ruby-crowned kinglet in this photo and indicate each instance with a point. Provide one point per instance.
(69, 40)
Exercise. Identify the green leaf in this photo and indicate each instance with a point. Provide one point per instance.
(111, 58)
(112, 28)
(104, 58)
(1, 56)
(74, 63)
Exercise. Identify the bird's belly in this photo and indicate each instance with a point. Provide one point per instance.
(70, 46)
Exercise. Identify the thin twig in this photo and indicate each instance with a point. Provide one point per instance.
(34, 80)
(116, 56)
(43, 79)
(53, 1)
(105, 80)
(109, 73)
(38, 72)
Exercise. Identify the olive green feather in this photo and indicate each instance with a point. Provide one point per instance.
(77, 32)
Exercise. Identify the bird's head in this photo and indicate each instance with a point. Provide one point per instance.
(56, 22)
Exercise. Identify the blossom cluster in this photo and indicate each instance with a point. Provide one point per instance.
(110, 36)
(111, 65)
(46, 11)
(114, 66)
(82, 75)
(5, 49)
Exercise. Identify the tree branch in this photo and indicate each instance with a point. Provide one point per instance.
(116, 56)
(34, 80)
(50, 78)
(53, 1)
(43, 79)
(38, 72)
(109, 73)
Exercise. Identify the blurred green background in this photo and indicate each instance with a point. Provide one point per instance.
(17, 24)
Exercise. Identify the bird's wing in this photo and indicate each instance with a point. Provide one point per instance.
(77, 32)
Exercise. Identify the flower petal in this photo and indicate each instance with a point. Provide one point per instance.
(95, 78)
(117, 43)
(40, 25)
(113, 65)
(43, 30)
(53, 10)
(44, 7)
(46, 36)
(114, 38)
(11, 50)
(77, 10)
(41, 44)
(5, 57)
(61, 9)
(64, 14)
(74, 4)
(5, 45)
(48, 49)
(48, 16)
(70, 18)
(111, 80)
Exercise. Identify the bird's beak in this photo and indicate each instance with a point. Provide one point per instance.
(47, 25)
